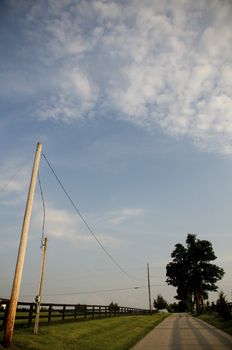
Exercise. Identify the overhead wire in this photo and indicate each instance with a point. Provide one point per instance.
(44, 212)
(19, 169)
(100, 291)
(87, 225)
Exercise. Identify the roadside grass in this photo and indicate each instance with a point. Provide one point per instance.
(217, 321)
(119, 333)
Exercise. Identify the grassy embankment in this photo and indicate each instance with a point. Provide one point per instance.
(119, 333)
(217, 321)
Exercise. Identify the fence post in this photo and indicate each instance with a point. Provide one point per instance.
(30, 315)
(93, 311)
(99, 311)
(63, 312)
(5, 314)
(49, 313)
(75, 313)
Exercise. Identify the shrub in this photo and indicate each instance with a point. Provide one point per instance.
(113, 307)
(223, 307)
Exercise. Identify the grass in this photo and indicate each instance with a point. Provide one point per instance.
(119, 333)
(217, 321)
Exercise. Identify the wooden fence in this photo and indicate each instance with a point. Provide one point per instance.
(25, 315)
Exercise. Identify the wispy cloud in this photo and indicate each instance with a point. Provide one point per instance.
(63, 225)
(117, 217)
(14, 181)
(165, 65)
(76, 98)
(60, 223)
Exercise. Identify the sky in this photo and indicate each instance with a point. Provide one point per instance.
(132, 102)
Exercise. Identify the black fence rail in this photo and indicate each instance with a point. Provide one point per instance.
(50, 312)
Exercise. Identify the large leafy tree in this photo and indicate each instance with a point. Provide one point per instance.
(192, 272)
(160, 303)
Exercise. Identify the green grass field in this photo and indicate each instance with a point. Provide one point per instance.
(119, 333)
(215, 320)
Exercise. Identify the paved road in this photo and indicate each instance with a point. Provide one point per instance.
(184, 332)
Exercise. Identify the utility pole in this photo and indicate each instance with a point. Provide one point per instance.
(39, 297)
(149, 288)
(8, 334)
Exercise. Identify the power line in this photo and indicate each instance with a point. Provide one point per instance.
(44, 212)
(86, 224)
(14, 175)
(99, 291)
(104, 290)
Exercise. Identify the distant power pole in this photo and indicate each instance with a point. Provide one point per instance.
(149, 288)
(36, 327)
(21, 252)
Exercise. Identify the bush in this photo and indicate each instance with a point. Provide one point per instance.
(223, 307)
(81, 307)
(113, 307)
(160, 303)
(183, 306)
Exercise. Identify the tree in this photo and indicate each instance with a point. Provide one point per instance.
(173, 307)
(160, 303)
(192, 272)
(223, 307)
(113, 307)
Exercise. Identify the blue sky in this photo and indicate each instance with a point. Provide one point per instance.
(132, 102)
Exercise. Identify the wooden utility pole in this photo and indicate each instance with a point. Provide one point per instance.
(21, 252)
(36, 327)
(149, 288)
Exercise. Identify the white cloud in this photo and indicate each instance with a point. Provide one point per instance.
(81, 84)
(63, 225)
(107, 9)
(157, 64)
(75, 99)
(117, 217)
(14, 180)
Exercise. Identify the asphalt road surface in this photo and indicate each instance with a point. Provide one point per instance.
(184, 332)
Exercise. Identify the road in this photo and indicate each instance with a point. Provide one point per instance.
(184, 332)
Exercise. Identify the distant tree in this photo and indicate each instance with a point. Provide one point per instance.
(207, 306)
(213, 306)
(81, 307)
(113, 307)
(223, 307)
(183, 306)
(173, 307)
(160, 303)
(192, 272)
